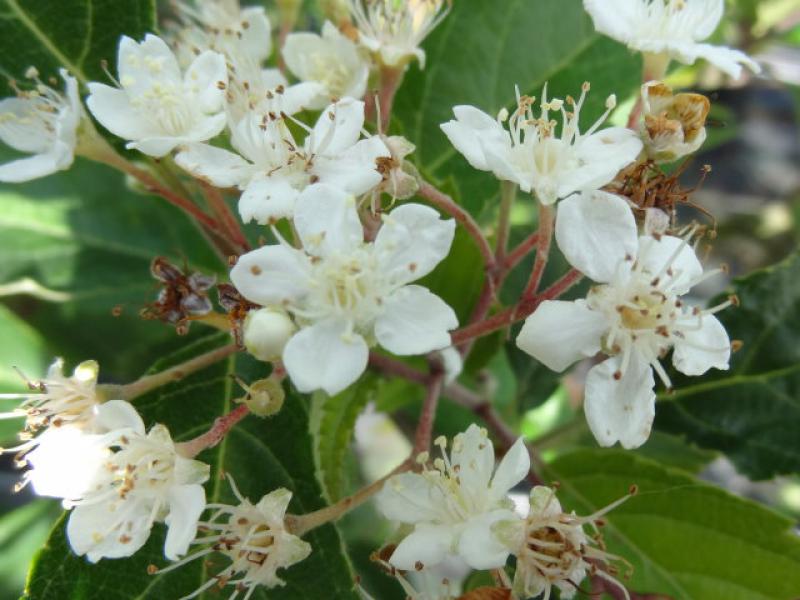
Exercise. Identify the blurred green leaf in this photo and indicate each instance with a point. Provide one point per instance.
(261, 454)
(477, 56)
(752, 412)
(686, 539)
(78, 34)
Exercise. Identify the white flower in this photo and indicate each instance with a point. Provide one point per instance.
(553, 550)
(345, 293)
(158, 107)
(453, 506)
(220, 24)
(142, 480)
(534, 155)
(254, 538)
(394, 30)
(673, 126)
(635, 316)
(44, 123)
(266, 332)
(331, 60)
(275, 169)
(668, 29)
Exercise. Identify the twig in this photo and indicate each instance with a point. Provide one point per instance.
(546, 222)
(422, 439)
(224, 215)
(222, 425)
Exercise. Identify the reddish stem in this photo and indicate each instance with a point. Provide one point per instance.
(422, 440)
(391, 78)
(516, 255)
(225, 216)
(397, 368)
(214, 435)
(546, 221)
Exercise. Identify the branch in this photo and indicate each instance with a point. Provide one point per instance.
(546, 221)
(150, 382)
(222, 425)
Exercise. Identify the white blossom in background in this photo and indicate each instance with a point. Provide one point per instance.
(143, 479)
(668, 29)
(453, 505)
(346, 294)
(157, 107)
(331, 59)
(41, 122)
(553, 550)
(255, 540)
(534, 154)
(673, 125)
(635, 315)
(273, 169)
(394, 30)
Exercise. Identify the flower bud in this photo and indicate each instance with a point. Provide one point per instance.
(264, 397)
(673, 125)
(266, 332)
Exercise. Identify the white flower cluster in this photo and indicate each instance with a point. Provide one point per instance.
(341, 274)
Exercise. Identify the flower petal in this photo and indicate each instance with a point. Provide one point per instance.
(512, 469)
(414, 321)
(118, 414)
(355, 169)
(479, 547)
(327, 221)
(112, 108)
(560, 333)
(32, 167)
(596, 231)
(470, 129)
(256, 38)
(412, 241)
(670, 258)
(203, 78)
(186, 504)
(65, 462)
(21, 129)
(272, 275)
(704, 345)
(427, 546)
(325, 356)
(98, 531)
(267, 199)
(600, 157)
(215, 165)
(620, 410)
(338, 128)
(472, 456)
(410, 498)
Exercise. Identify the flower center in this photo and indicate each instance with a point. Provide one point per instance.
(163, 104)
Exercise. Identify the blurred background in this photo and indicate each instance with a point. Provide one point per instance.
(753, 192)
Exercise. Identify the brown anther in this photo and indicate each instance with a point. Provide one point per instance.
(736, 345)
(617, 375)
(152, 569)
(419, 566)
(255, 270)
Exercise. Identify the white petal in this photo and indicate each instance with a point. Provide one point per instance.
(512, 469)
(473, 457)
(186, 503)
(338, 128)
(256, 38)
(267, 199)
(272, 275)
(620, 410)
(596, 231)
(299, 51)
(97, 530)
(702, 349)
(414, 321)
(601, 156)
(205, 128)
(65, 462)
(410, 498)
(428, 545)
(158, 146)
(325, 356)
(327, 220)
(479, 547)
(21, 128)
(560, 333)
(355, 169)
(303, 96)
(275, 503)
(32, 167)
(615, 18)
(215, 165)
(412, 241)
(468, 129)
(112, 108)
(671, 259)
(141, 65)
(205, 80)
(118, 414)
(728, 60)
(707, 15)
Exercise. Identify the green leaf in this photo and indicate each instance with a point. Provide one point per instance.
(333, 421)
(76, 34)
(22, 533)
(685, 538)
(261, 454)
(88, 242)
(752, 412)
(480, 52)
